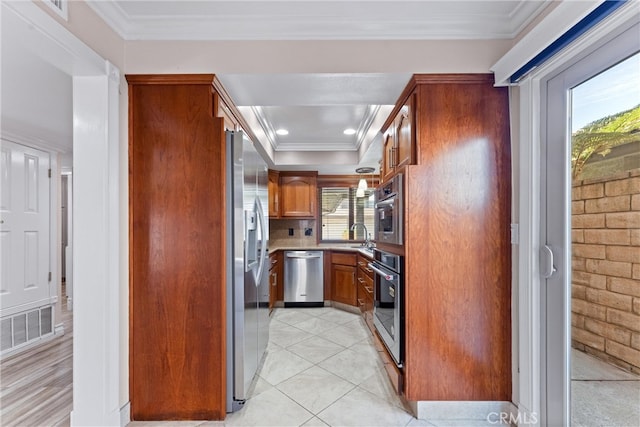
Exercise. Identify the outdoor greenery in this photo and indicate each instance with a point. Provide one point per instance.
(598, 137)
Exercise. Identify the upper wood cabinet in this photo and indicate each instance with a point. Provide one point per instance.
(405, 141)
(388, 151)
(399, 140)
(298, 194)
(274, 194)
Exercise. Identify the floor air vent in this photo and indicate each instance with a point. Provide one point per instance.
(23, 328)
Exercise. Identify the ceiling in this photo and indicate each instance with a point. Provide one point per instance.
(314, 108)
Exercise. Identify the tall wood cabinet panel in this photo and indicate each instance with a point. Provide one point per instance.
(177, 249)
(457, 245)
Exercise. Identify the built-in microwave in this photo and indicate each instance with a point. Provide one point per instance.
(388, 211)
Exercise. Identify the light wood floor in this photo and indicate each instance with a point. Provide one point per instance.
(36, 385)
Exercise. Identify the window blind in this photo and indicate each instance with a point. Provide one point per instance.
(341, 209)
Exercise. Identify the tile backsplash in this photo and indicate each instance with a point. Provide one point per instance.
(292, 232)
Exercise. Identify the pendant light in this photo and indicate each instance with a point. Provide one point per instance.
(362, 184)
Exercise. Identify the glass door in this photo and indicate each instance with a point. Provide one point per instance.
(588, 171)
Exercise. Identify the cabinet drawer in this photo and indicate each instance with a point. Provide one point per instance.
(273, 261)
(343, 258)
(363, 265)
(367, 283)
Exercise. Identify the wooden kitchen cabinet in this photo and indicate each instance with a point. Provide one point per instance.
(274, 194)
(276, 289)
(365, 290)
(177, 240)
(343, 277)
(457, 245)
(398, 147)
(388, 151)
(298, 194)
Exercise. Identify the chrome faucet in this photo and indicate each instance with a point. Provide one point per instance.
(367, 237)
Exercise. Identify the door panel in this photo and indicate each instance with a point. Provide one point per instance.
(24, 229)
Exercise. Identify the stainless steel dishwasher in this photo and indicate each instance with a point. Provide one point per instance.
(303, 279)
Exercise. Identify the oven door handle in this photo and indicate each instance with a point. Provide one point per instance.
(387, 202)
(380, 272)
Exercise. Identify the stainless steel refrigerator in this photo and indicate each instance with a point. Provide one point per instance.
(247, 269)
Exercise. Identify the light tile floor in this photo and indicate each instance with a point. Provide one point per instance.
(602, 394)
(321, 369)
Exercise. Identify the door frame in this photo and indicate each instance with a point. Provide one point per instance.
(528, 133)
(97, 367)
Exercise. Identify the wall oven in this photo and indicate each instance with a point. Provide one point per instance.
(388, 211)
(388, 306)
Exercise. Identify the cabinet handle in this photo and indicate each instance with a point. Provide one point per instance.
(393, 157)
(368, 269)
(369, 289)
(360, 279)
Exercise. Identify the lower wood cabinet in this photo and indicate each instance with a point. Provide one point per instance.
(343, 277)
(276, 274)
(365, 289)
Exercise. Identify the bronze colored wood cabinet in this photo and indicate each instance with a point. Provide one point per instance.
(365, 288)
(343, 277)
(398, 147)
(276, 273)
(177, 249)
(298, 194)
(457, 245)
(274, 194)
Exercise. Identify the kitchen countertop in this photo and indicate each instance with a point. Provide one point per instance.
(321, 247)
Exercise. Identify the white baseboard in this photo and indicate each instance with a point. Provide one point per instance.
(463, 410)
(125, 414)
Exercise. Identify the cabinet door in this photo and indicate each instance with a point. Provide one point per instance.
(273, 287)
(274, 194)
(404, 135)
(387, 166)
(280, 278)
(298, 196)
(343, 281)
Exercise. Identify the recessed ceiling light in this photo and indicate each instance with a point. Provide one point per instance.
(282, 132)
(349, 131)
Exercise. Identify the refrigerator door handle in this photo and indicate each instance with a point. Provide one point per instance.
(263, 245)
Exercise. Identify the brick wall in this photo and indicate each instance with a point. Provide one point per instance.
(606, 268)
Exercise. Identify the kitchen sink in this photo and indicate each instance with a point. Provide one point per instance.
(364, 248)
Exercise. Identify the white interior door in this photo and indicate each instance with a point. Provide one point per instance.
(24, 232)
(555, 255)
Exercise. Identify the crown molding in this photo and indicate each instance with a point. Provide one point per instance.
(225, 25)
